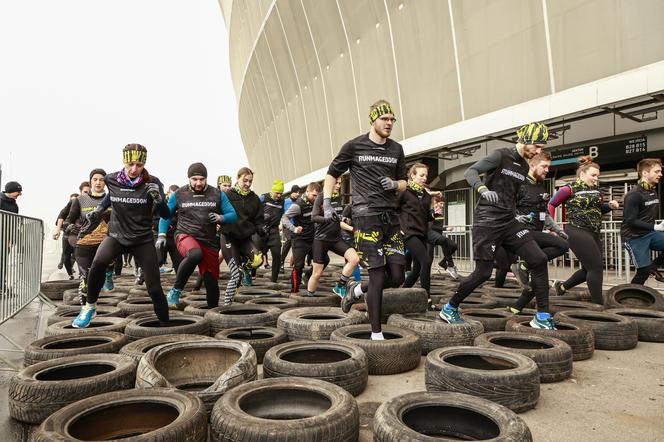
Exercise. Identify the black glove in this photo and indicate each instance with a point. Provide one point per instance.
(70, 229)
(215, 218)
(328, 211)
(153, 191)
(489, 195)
(389, 183)
(92, 217)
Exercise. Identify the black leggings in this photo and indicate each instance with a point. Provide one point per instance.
(67, 252)
(185, 270)
(301, 248)
(448, 246)
(380, 278)
(587, 246)
(172, 250)
(235, 256)
(146, 254)
(503, 260)
(537, 263)
(421, 263)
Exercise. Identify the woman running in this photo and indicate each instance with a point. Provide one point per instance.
(236, 245)
(583, 201)
(133, 194)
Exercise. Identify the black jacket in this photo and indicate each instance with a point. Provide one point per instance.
(414, 213)
(8, 204)
(641, 209)
(249, 210)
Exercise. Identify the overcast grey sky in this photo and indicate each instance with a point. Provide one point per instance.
(79, 79)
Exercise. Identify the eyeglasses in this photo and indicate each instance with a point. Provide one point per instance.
(388, 119)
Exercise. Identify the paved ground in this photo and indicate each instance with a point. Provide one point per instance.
(615, 396)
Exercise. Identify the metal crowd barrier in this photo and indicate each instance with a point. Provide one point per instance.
(616, 263)
(21, 249)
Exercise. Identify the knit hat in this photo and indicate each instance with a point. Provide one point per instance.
(13, 186)
(277, 186)
(134, 153)
(295, 189)
(224, 179)
(97, 172)
(197, 169)
(533, 133)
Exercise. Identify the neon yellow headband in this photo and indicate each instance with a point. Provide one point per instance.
(134, 156)
(377, 111)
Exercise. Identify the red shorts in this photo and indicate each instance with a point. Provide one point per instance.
(210, 262)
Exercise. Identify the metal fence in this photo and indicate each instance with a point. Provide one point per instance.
(616, 262)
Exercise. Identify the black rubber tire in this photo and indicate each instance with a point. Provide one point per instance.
(192, 298)
(404, 300)
(611, 331)
(73, 344)
(146, 414)
(72, 297)
(53, 290)
(491, 319)
(559, 305)
(136, 305)
(232, 363)
(263, 285)
(552, 356)
(401, 350)
(314, 323)
(469, 302)
(578, 336)
(649, 322)
(504, 301)
(69, 312)
(41, 389)
(634, 296)
(137, 349)
(108, 323)
(198, 308)
(260, 338)
(416, 417)
(516, 387)
(139, 315)
(278, 302)
(286, 410)
(436, 333)
(340, 363)
(140, 291)
(320, 299)
(178, 325)
(240, 315)
(249, 293)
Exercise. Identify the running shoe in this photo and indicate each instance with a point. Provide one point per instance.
(522, 275)
(442, 263)
(85, 316)
(163, 269)
(349, 298)
(513, 310)
(246, 277)
(108, 283)
(340, 290)
(543, 321)
(173, 298)
(657, 275)
(453, 271)
(558, 287)
(450, 315)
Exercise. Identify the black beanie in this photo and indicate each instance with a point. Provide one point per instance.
(197, 169)
(97, 172)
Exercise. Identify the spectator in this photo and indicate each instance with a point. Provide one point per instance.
(8, 198)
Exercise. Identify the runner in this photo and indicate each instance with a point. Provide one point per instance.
(66, 257)
(199, 209)
(415, 213)
(639, 230)
(171, 248)
(132, 194)
(327, 237)
(273, 210)
(494, 223)
(86, 244)
(240, 252)
(298, 220)
(294, 195)
(347, 236)
(583, 200)
(435, 237)
(377, 171)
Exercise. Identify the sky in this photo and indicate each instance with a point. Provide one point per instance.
(80, 79)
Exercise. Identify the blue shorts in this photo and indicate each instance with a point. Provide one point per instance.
(639, 248)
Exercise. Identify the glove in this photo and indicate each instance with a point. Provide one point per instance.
(161, 242)
(328, 211)
(525, 219)
(659, 227)
(563, 235)
(70, 229)
(215, 218)
(389, 183)
(153, 191)
(489, 195)
(93, 216)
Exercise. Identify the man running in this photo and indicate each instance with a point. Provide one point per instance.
(639, 231)
(494, 223)
(302, 231)
(377, 171)
(200, 208)
(293, 196)
(273, 210)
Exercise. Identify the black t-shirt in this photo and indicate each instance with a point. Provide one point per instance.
(641, 207)
(414, 213)
(131, 215)
(193, 209)
(368, 163)
(532, 197)
(273, 210)
(327, 230)
(303, 219)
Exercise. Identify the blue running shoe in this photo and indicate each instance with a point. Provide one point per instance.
(173, 298)
(246, 277)
(108, 283)
(88, 311)
(450, 315)
(543, 320)
(340, 290)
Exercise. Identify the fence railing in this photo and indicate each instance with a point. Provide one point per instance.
(615, 258)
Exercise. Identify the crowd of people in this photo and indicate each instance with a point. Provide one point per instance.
(393, 218)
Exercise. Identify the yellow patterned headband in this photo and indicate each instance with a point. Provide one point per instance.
(134, 156)
(377, 111)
